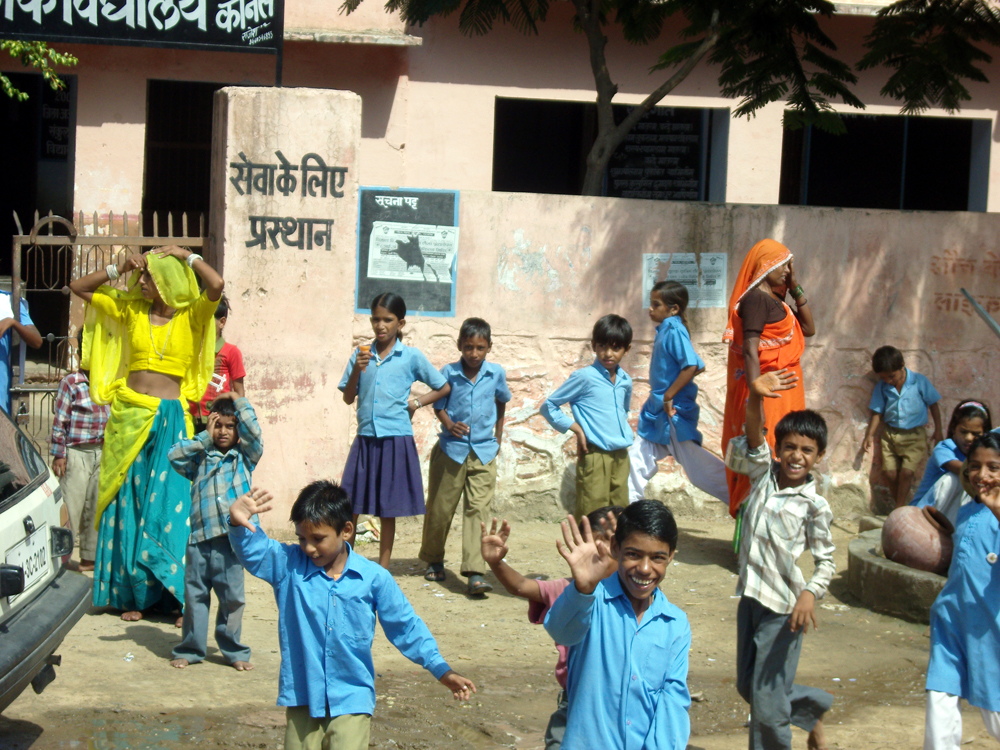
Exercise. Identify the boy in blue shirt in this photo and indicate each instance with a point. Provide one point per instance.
(600, 397)
(628, 645)
(901, 400)
(219, 462)
(464, 459)
(328, 597)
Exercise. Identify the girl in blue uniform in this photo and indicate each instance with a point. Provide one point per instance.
(965, 618)
(382, 476)
(668, 421)
(969, 420)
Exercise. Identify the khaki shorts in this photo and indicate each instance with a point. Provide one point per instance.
(903, 449)
(601, 479)
(347, 732)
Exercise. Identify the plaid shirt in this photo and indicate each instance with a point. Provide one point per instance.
(777, 526)
(78, 420)
(218, 479)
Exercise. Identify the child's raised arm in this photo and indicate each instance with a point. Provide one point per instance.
(494, 549)
(254, 502)
(186, 455)
(765, 386)
(251, 438)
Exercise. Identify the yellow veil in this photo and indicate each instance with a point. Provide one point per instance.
(106, 351)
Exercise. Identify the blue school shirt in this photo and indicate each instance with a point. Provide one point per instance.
(326, 627)
(965, 617)
(627, 681)
(943, 452)
(475, 404)
(384, 389)
(6, 366)
(672, 352)
(599, 406)
(908, 409)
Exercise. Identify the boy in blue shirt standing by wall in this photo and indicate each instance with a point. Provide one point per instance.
(328, 597)
(464, 460)
(600, 397)
(628, 645)
(901, 400)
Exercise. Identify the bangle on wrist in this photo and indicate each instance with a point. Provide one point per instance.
(192, 257)
(798, 291)
(112, 272)
(416, 402)
(801, 302)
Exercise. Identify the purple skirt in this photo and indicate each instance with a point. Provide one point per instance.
(382, 477)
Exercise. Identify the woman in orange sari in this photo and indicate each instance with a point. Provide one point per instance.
(764, 335)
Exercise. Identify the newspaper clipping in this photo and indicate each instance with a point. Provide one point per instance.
(415, 252)
(704, 276)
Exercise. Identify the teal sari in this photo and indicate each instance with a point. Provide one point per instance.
(143, 533)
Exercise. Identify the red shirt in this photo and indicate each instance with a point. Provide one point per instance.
(550, 591)
(228, 367)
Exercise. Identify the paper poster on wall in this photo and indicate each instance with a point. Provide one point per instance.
(704, 276)
(408, 244)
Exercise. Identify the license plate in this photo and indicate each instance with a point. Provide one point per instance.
(32, 555)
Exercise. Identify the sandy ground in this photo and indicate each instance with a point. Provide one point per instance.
(115, 689)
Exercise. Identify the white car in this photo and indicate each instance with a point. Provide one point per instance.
(40, 598)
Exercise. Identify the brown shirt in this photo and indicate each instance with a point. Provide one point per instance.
(757, 310)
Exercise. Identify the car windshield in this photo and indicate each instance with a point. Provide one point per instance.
(19, 461)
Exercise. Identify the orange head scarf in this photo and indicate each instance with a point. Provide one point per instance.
(763, 258)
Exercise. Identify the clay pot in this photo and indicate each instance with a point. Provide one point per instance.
(918, 538)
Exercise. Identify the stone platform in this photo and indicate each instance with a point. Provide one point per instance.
(887, 586)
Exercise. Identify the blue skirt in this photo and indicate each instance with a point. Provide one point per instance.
(382, 477)
(143, 533)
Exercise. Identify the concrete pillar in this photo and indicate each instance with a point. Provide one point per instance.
(283, 232)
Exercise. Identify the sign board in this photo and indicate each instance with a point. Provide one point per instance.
(408, 244)
(223, 25)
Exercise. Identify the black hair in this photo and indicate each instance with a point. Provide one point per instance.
(224, 407)
(472, 327)
(222, 311)
(394, 304)
(596, 516)
(612, 330)
(887, 359)
(673, 293)
(323, 503)
(970, 409)
(990, 440)
(806, 423)
(649, 517)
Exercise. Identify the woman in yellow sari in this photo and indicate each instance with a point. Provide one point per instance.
(149, 349)
(764, 335)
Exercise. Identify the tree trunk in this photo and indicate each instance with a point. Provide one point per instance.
(609, 135)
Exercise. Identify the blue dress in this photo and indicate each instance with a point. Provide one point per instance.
(672, 352)
(943, 452)
(965, 618)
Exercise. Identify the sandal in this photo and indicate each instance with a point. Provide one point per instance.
(435, 572)
(478, 585)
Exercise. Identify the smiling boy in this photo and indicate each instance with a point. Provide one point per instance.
(628, 646)
(328, 598)
(464, 461)
(781, 516)
(600, 397)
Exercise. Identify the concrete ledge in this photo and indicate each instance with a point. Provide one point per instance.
(887, 586)
(386, 38)
(867, 523)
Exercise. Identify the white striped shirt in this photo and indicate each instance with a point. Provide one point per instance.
(778, 524)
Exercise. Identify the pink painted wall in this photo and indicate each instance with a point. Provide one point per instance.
(542, 269)
(428, 111)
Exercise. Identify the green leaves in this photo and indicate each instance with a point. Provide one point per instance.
(36, 55)
(932, 47)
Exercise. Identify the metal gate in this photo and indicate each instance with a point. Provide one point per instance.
(43, 264)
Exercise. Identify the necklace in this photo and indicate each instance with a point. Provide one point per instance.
(166, 339)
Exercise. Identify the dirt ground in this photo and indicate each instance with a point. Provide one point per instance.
(115, 690)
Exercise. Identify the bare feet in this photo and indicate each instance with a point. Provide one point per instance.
(817, 738)
(180, 622)
(242, 666)
(181, 663)
(132, 616)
